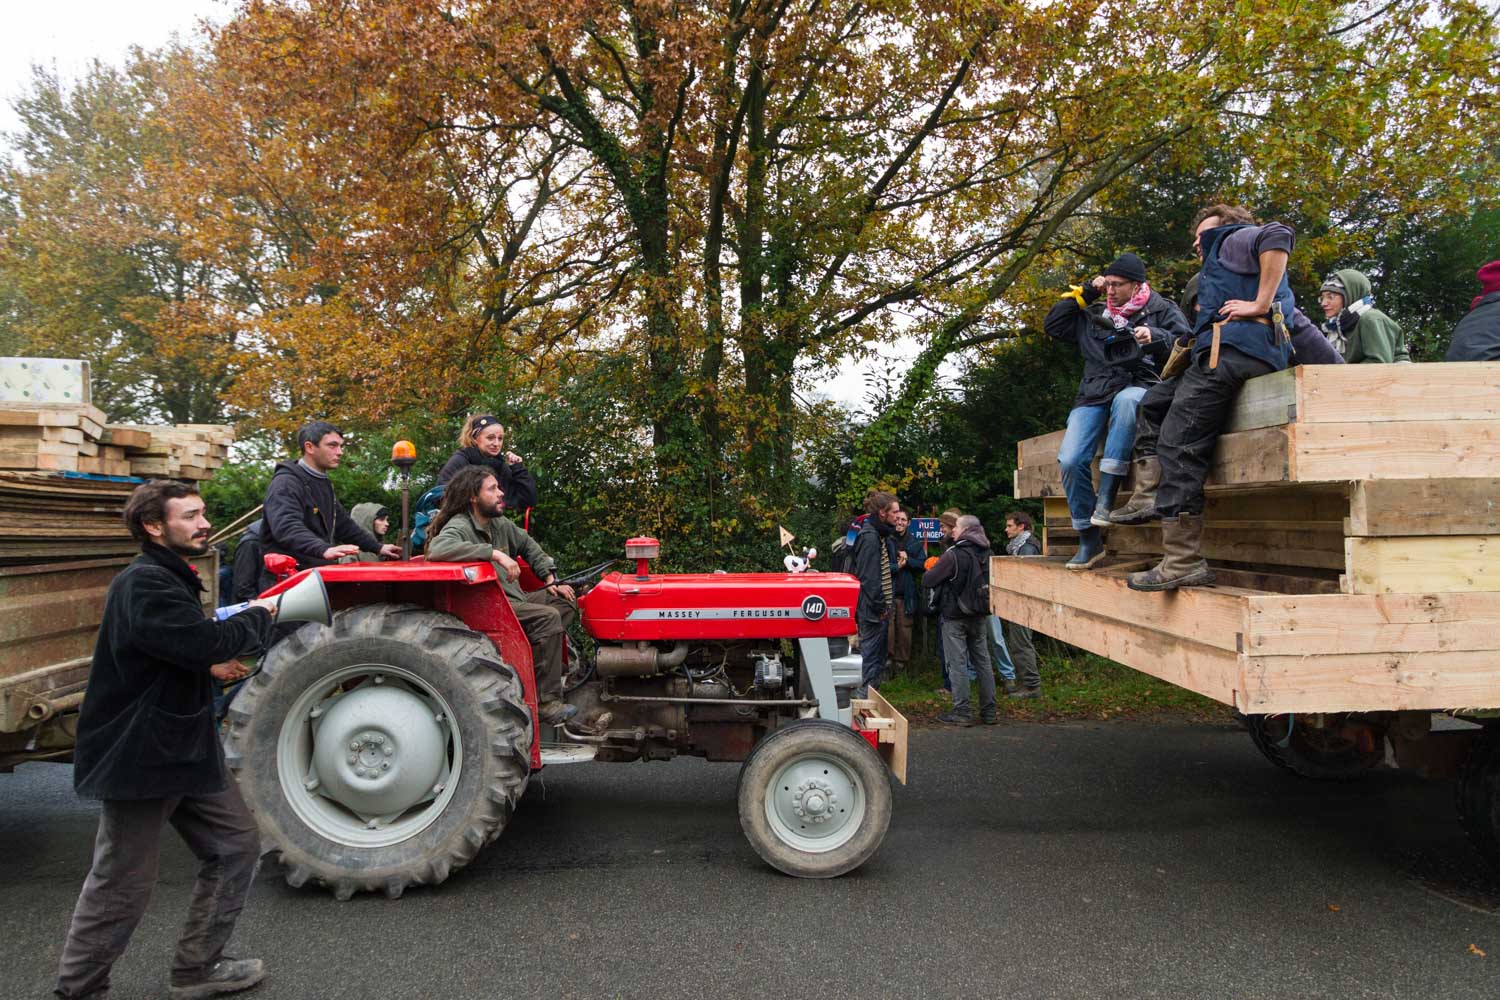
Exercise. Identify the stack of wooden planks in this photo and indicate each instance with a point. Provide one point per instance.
(1353, 518)
(58, 437)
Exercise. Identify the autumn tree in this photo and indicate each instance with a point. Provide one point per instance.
(92, 260)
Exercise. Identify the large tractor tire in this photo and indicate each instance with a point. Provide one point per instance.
(814, 799)
(1478, 794)
(383, 751)
(1326, 753)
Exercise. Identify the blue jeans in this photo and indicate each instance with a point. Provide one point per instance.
(1003, 664)
(1076, 456)
(874, 641)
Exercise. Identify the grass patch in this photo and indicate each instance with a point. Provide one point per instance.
(1077, 686)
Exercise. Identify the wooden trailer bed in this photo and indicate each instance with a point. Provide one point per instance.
(1353, 518)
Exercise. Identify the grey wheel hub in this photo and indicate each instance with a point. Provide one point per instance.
(816, 803)
(369, 756)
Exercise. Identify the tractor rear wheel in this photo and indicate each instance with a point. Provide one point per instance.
(383, 751)
(1478, 795)
(814, 799)
(1337, 750)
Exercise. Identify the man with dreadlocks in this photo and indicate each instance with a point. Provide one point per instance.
(470, 528)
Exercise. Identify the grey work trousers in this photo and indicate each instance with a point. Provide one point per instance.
(1023, 654)
(964, 642)
(220, 832)
(546, 618)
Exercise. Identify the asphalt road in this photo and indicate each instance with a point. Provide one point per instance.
(1115, 860)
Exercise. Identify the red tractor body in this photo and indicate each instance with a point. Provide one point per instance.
(382, 750)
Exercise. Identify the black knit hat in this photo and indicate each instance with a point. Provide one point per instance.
(1127, 266)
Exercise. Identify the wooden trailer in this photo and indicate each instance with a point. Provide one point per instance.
(1353, 522)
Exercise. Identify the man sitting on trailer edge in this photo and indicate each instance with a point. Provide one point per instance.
(1245, 307)
(470, 527)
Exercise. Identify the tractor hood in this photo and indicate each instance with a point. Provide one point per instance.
(629, 608)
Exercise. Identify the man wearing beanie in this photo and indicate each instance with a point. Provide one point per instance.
(1360, 332)
(1477, 336)
(1123, 329)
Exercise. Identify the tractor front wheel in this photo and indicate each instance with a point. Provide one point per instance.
(814, 799)
(383, 751)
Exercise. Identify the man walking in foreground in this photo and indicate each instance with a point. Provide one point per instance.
(962, 572)
(148, 747)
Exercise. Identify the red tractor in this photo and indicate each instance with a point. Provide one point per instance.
(385, 749)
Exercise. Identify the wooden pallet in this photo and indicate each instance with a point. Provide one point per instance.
(76, 438)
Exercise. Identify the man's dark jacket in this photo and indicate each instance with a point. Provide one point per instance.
(871, 546)
(969, 554)
(248, 566)
(303, 518)
(146, 729)
(1477, 335)
(516, 480)
(1088, 330)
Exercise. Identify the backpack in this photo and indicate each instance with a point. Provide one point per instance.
(426, 510)
(971, 591)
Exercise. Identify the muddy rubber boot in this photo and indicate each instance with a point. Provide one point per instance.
(1108, 485)
(1142, 505)
(1183, 565)
(1090, 549)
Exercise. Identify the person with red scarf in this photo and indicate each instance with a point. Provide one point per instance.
(1124, 330)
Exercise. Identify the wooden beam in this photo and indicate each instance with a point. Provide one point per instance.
(1371, 682)
(1316, 546)
(1208, 670)
(1409, 449)
(1385, 507)
(1264, 401)
(1425, 565)
(1302, 624)
(1211, 616)
(1396, 393)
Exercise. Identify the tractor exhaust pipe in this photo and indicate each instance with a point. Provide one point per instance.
(640, 660)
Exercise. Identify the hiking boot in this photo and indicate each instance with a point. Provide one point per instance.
(229, 975)
(1027, 693)
(1142, 505)
(1183, 565)
(989, 720)
(956, 719)
(1090, 549)
(555, 713)
(1010, 685)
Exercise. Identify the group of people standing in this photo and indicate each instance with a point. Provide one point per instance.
(893, 569)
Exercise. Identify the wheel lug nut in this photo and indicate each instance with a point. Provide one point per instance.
(389, 749)
(385, 765)
(354, 745)
(353, 759)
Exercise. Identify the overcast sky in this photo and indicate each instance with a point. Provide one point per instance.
(65, 35)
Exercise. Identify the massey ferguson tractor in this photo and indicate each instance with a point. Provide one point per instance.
(385, 749)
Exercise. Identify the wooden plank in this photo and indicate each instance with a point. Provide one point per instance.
(125, 437)
(1243, 459)
(1386, 507)
(1208, 670)
(893, 751)
(1398, 393)
(1039, 450)
(1409, 449)
(1423, 565)
(1212, 616)
(1364, 682)
(1303, 624)
(1264, 401)
(1319, 545)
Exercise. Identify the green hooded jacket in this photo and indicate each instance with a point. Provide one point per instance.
(1375, 338)
(461, 540)
(364, 515)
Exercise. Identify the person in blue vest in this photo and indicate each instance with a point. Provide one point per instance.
(1124, 330)
(1245, 309)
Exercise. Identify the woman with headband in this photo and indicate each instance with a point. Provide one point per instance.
(482, 442)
